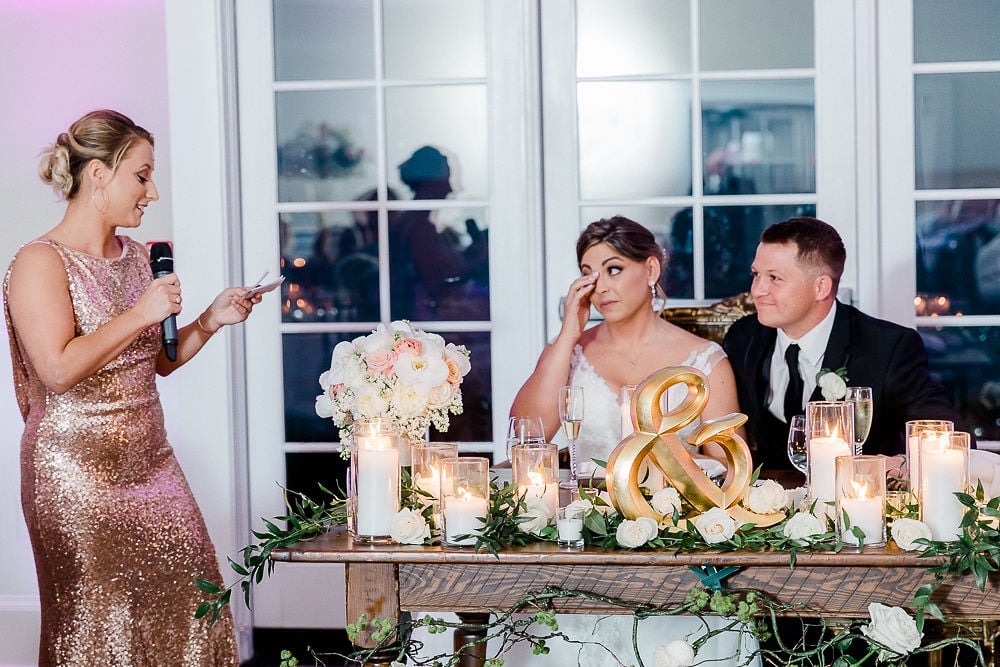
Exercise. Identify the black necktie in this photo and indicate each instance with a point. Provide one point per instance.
(793, 395)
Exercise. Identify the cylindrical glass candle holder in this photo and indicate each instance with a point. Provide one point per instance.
(913, 430)
(944, 471)
(861, 497)
(829, 434)
(465, 499)
(569, 527)
(425, 471)
(374, 484)
(535, 473)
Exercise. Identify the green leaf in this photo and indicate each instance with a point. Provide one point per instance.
(208, 586)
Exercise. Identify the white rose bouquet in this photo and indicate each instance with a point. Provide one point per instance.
(396, 372)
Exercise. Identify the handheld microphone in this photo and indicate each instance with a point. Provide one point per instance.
(161, 261)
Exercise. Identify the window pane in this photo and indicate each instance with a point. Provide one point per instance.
(306, 356)
(452, 120)
(759, 136)
(731, 237)
(678, 278)
(434, 39)
(626, 130)
(958, 257)
(957, 145)
(756, 34)
(967, 362)
(955, 31)
(317, 39)
(439, 265)
(632, 37)
(326, 144)
(330, 263)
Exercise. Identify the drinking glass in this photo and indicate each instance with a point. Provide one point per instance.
(797, 451)
(524, 429)
(571, 417)
(861, 397)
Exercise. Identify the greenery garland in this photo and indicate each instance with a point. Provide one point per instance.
(976, 553)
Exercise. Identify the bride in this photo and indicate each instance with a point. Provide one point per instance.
(621, 264)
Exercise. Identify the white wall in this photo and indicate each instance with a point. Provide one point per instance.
(58, 60)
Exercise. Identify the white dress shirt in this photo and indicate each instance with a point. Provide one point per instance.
(812, 347)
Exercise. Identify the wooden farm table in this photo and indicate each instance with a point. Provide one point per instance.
(386, 580)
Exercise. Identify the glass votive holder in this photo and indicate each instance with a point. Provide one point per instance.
(913, 430)
(374, 484)
(829, 434)
(861, 499)
(569, 527)
(425, 472)
(465, 494)
(943, 472)
(535, 473)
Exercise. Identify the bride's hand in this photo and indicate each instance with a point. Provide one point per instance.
(576, 309)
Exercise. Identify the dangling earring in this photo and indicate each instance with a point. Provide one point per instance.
(652, 290)
(105, 204)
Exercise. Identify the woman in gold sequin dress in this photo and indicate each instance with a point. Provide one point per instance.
(117, 536)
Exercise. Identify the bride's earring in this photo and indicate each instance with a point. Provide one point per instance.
(652, 290)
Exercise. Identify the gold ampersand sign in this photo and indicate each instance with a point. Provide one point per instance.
(655, 442)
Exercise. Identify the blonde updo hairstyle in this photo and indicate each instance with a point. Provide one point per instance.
(103, 135)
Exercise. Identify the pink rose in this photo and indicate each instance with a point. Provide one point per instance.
(408, 345)
(381, 361)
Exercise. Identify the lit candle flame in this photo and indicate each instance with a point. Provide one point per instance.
(860, 489)
(537, 479)
(463, 494)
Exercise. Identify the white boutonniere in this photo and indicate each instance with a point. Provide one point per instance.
(832, 383)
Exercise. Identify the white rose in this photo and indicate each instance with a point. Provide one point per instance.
(368, 403)
(407, 401)
(440, 396)
(632, 534)
(580, 506)
(893, 628)
(324, 406)
(905, 531)
(803, 526)
(408, 527)
(677, 653)
(833, 386)
(535, 517)
(767, 498)
(716, 525)
(666, 500)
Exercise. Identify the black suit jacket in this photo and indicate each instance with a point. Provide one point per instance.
(889, 358)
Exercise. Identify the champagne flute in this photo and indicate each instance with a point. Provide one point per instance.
(571, 417)
(524, 429)
(797, 450)
(863, 410)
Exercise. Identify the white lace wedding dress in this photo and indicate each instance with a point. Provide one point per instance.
(608, 639)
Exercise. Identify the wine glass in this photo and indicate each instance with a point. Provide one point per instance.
(524, 429)
(863, 409)
(571, 417)
(797, 451)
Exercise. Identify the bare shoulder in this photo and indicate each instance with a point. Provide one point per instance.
(39, 260)
(673, 335)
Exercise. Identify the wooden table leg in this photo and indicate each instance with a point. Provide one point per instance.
(373, 590)
(473, 629)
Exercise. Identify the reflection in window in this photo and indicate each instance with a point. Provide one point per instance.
(306, 356)
(759, 137)
(330, 263)
(966, 360)
(958, 257)
(956, 143)
(326, 142)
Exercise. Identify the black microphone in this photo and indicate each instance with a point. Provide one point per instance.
(161, 261)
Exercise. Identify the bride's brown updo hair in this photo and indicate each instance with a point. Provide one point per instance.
(103, 135)
(628, 238)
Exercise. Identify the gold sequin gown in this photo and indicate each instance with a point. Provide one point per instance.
(117, 536)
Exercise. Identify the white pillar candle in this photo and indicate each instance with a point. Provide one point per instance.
(378, 470)
(942, 474)
(429, 482)
(866, 514)
(913, 450)
(823, 453)
(548, 493)
(462, 515)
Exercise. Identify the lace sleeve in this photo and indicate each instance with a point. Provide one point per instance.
(707, 357)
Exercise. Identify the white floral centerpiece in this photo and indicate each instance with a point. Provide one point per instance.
(398, 373)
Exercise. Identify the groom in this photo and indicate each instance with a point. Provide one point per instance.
(801, 331)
